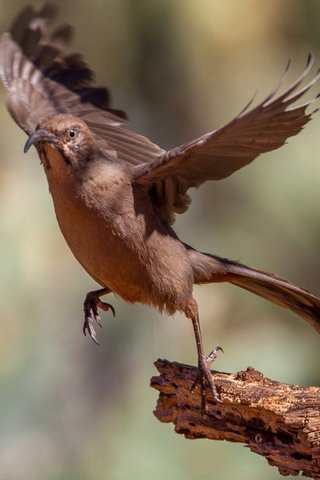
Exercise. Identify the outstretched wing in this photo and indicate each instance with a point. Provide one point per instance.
(42, 81)
(220, 153)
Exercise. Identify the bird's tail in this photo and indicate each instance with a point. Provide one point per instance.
(209, 268)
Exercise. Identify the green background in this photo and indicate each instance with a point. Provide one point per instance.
(72, 411)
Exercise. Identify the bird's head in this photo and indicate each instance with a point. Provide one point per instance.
(67, 134)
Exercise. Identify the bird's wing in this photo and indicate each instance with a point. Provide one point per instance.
(42, 81)
(220, 153)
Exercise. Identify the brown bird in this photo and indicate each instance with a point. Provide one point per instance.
(116, 194)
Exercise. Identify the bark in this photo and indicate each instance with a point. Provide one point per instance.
(276, 420)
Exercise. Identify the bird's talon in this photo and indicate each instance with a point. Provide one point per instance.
(94, 338)
(92, 333)
(88, 327)
(106, 307)
(91, 305)
(204, 379)
(98, 320)
(213, 355)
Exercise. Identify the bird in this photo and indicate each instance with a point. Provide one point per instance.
(116, 194)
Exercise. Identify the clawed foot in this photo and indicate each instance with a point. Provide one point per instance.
(91, 315)
(204, 378)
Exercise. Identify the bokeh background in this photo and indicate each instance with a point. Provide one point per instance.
(72, 411)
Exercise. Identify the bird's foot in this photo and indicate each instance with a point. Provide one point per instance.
(91, 315)
(213, 355)
(204, 378)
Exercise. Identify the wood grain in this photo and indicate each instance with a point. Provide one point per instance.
(276, 420)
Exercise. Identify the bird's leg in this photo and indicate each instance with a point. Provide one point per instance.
(91, 304)
(205, 375)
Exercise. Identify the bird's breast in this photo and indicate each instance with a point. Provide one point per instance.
(115, 235)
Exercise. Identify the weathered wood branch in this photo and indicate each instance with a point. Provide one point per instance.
(276, 420)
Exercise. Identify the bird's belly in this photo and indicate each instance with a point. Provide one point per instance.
(148, 268)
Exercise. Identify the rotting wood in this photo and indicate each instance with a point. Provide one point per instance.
(276, 420)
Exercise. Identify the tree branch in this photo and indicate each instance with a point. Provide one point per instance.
(276, 420)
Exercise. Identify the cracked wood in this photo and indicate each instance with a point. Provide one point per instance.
(276, 420)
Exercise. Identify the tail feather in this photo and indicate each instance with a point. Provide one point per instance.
(281, 292)
(209, 268)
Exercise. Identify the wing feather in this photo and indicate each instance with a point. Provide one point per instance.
(43, 81)
(220, 153)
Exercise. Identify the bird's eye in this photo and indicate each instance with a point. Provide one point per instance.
(72, 133)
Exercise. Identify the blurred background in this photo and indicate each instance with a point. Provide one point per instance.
(72, 411)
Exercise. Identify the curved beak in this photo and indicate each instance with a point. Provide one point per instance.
(40, 136)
